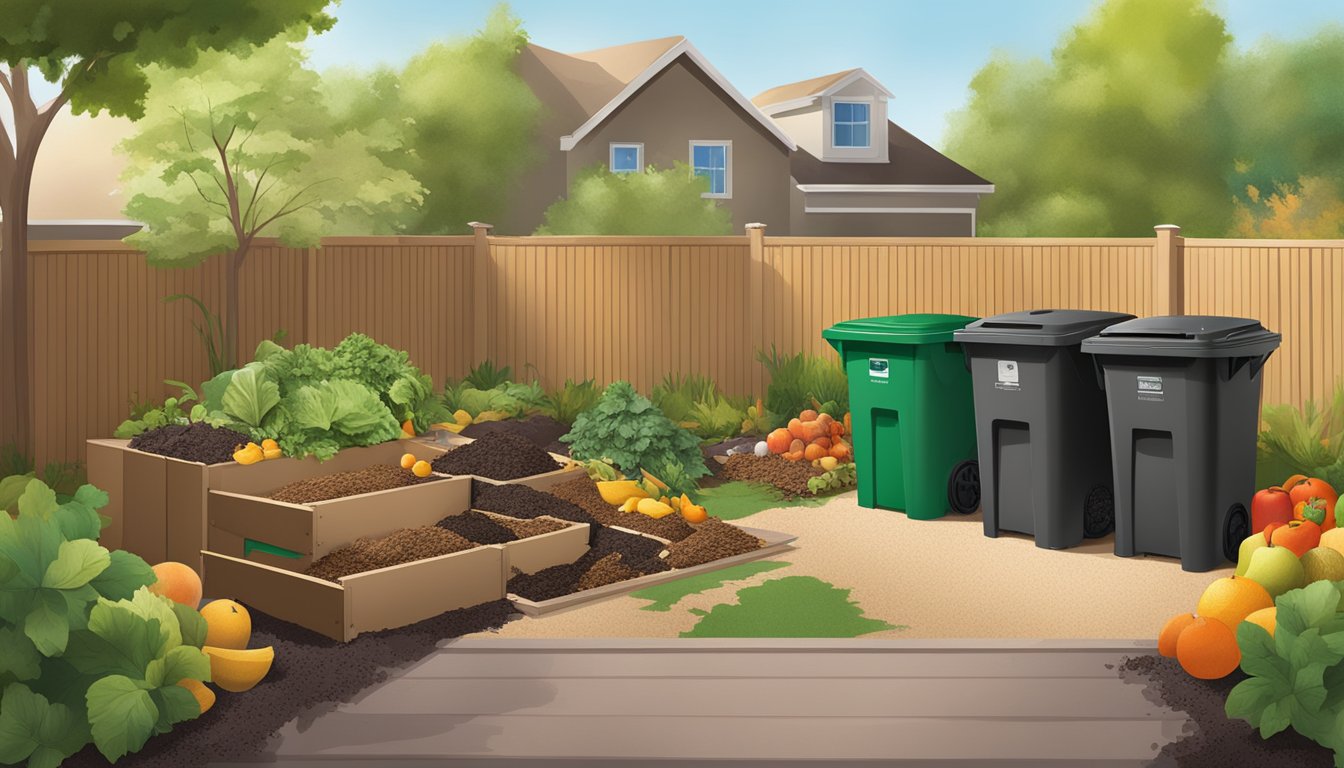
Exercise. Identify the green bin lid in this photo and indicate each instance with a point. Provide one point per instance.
(1040, 327)
(897, 329)
(1185, 336)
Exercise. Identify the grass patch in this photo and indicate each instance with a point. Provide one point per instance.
(739, 499)
(664, 596)
(794, 606)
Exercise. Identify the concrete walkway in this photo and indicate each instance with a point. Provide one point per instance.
(558, 702)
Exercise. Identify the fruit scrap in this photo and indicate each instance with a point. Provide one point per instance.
(421, 469)
(629, 504)
(650, 477)
(205, 698)
(407, 460)
(408, 428)
(653, 508)
(694, 513)
(462, 418)
(617, 492)
(249, 454)
(238, 671)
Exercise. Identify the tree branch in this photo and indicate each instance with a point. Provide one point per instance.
(201, 192)
(257, 191)
(4, 83)
(285, 209)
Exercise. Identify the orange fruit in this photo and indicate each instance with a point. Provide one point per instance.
(1166, 640)
(228, 624)
(177, 582)
(204, 696)
(1265, 617)
(407, 460)
(1231, 599)
(1207, 649)
(421, 469)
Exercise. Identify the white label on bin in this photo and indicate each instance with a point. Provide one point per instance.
(1008, 375)
(879, 367)
(1150, 388)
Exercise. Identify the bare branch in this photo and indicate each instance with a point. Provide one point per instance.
(204, 196)
(286, 210)
(257, 191)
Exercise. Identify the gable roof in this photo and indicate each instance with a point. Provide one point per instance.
(602, 80)
(910, 162)
(803, 92)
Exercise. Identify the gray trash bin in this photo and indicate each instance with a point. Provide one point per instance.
(1184, 400)
(1040, 419)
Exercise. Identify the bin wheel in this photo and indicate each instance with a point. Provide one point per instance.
(963, 487)
(1098, 512)
(1236, 527)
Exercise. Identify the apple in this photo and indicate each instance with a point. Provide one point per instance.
(1248, 547)
(1276, 569)
(1322, 564)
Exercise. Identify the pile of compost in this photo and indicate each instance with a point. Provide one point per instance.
(498, 456)
(526, 503)
(582, 491)
(197, 442)
(712, 540)
(790, 477)
(638, 556)
(379, 477)
(542, 431)
(478, 527)
(404, 546)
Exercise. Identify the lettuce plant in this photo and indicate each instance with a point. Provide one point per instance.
(87, 652)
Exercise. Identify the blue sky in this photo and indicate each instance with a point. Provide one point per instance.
(924, 51)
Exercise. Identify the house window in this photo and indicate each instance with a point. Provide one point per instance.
(714, 161)
(626, 158)
(851, 124)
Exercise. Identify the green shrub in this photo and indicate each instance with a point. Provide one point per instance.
(565, 404)
(656, 202)
(630, 431)
(1309, 442)
(487, 376)
(802, 381)
(695, 402)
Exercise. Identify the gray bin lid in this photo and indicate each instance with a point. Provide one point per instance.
(1040, 327)
(1185, 336)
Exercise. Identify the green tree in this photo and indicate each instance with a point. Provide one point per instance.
(1118, 131)
(470, 121)
(96, 51)
(667, 202)
(241, 145)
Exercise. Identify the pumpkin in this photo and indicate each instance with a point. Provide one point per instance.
(778, 441)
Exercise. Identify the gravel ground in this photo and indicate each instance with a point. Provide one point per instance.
(310, 671)
(1216, 741)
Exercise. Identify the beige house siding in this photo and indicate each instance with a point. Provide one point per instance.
(804, 126)
(678, 106)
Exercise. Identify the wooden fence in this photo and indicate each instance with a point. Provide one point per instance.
(634, 308)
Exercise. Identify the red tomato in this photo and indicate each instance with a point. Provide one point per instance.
(1272, 505)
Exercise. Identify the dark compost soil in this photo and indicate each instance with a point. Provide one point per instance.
(542, 431)
(379, 477)
(197, 442)
(582, 491)
(404, 546)
(526, 529)
(526, 503)
(309, 671)
(1216, 740)
(790, 477)
(498, 456)
(712, 540)
(638, 557)
(478, 527)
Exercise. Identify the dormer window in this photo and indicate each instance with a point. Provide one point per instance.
(851, 124)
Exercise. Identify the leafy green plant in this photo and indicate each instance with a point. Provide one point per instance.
(171, 412)
(717, 418)
(1297, 675)
(802, 381)
(487, 376)
(16, 468)
(630, 431)
(695, 403)
(565, 404)
(87, 652)
(210, 330)
(843, 476)
(1309, 441)
(675, 477)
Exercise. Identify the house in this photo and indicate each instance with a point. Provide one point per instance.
(818, 157)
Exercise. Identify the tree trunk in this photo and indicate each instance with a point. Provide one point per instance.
(14, 406)
(231, 308)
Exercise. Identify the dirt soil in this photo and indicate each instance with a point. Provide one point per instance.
(311, 674)
(1214, 740)
(498, 456)
(197, 442)
(542, 431)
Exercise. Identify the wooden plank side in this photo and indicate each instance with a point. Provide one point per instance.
(339, 522)
(185, 497)
(510, 661)
(632, 737)
(541, 552)
(405, 594)
(311, 603)
(289, 526)
(103, 466)
(777, 695)
(144, 530)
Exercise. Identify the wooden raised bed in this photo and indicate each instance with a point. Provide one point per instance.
(775, 543)
(364, 602)
(543, 482)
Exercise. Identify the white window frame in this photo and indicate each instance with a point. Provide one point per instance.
(727, 145)
(639, 155)
(864, 102)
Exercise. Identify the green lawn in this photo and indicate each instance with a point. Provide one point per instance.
(794, 606)
(664, 596)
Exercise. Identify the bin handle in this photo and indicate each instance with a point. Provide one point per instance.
(966, 356)
(1101, 374)
(1257, 363)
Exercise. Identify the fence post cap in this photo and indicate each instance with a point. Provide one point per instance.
(1168, 228)
(755, 225)
(480, 225)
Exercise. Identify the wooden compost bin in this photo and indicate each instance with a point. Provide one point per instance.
(364, 602)
(158, 505)
(775, 543)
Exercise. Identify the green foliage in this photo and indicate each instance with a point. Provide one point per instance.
(843, 476)
(210, 331)
(630, 431)
(508, 399)
(171, 412)
(487, 376)
(290, 173)
(87, 653)
(468, 119)
(565, 404)
(695, 402)
(1309, 442)
(794, 606)
(1297, 675)
(803, 381)
(667, 202)
(16, 469)
(1126, 107)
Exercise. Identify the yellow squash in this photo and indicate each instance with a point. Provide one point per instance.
(615, 492)
(653, 508)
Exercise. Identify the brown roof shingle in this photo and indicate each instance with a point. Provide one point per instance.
(909, 161)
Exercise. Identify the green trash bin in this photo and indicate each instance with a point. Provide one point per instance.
(910, 400)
